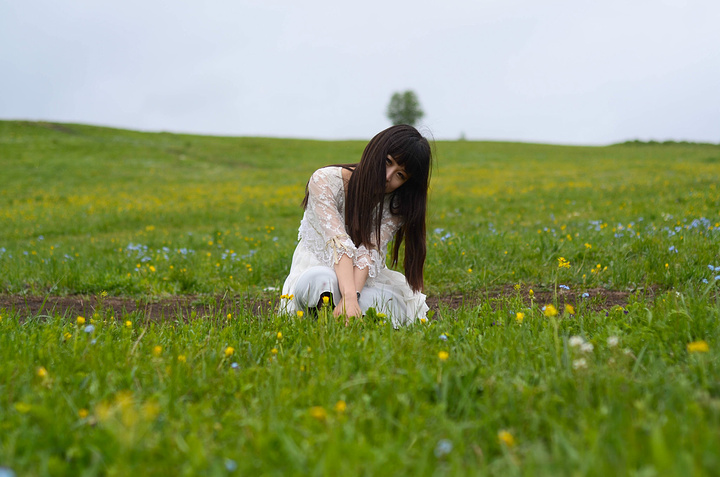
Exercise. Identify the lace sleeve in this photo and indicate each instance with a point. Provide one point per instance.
(373, 257)
(323, 228)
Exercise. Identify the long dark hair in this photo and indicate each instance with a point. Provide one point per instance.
(364, 201)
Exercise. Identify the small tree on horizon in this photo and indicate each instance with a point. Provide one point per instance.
(404, 108)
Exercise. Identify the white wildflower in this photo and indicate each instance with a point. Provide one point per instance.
(575, 341)
(580, 363)
(586, 347)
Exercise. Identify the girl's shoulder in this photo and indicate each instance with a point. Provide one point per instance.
(329, 172)
(332, 176)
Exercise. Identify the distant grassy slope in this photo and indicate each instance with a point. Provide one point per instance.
(86, 209)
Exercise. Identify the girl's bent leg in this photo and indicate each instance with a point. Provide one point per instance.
(383, 301)
(312, 284)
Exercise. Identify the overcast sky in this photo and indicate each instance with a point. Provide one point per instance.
(555, 71)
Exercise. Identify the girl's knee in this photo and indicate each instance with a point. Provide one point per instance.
(313, 283)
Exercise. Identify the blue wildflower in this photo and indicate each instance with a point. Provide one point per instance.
(443, 337)
(443, 448)
(564, 287)
(89, 329)
(230, 465)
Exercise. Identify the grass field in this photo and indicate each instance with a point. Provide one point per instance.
(526, 375)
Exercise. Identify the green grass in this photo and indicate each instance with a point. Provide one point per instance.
(77, 199)
(109, 402)
(643, 406)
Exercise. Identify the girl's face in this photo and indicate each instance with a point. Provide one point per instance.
(395, 174)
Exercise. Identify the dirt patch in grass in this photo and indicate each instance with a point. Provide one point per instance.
(599, 298)
(195, 306)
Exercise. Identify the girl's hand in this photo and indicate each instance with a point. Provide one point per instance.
(349, 307)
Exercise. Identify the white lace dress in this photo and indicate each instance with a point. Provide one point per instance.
(324, 240)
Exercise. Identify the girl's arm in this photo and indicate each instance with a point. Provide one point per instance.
(346, 280)
(360, 276)
(370, 259)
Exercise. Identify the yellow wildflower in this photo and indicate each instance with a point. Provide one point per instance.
(229, 351)
(67, 335)
(698, 347)
(157, 350)
(562, 263)
(506, 438)
(531, 293)
(274, 351)
(340, 406)
(182, 358)
(83, 413)
(569, 309)
(80, 320)
(150, 410)
(443, 355)
(229, 316)
(318, 412)
(550, 311)
(326, 300)
(588, 246)
(519, 317)
(423, 320)
(42, 372)
(300, 313)
(279, 335)
(128, 324)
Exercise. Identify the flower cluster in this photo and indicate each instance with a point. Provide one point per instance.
(700, 346)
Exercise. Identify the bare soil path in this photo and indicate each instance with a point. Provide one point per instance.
(196, 306)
